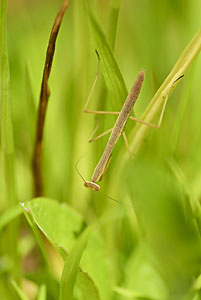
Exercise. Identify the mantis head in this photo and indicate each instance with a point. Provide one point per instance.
(92, 185)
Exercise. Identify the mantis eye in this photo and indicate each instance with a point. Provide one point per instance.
(92, 185)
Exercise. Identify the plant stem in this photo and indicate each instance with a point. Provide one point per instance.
(44, 97)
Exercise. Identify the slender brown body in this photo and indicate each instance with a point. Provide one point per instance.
(118, 127)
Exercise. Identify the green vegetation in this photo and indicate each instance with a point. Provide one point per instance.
(71, 242)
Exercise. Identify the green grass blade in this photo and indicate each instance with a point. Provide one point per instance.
(6, 122)
(114, 13)
(140, 131)
(179, 175)
(5, 110)
(19, 291)
(7, 142)
(193, 208)
(30, 104)
(181, 66)
(181, 112)
(111, 73)
(71, 267)
(42, 294)
(9, 215)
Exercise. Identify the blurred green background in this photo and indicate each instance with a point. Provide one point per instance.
(158, 241)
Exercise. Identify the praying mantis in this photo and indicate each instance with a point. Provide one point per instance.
(119, 126)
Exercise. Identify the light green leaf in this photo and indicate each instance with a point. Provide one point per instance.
(71, 267)
(46, 213)
(61, 224)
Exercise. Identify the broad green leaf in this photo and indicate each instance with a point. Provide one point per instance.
(19, 291)
(71, 267)
(46, 213)
(111, 73)
(59, 222)
(10, 214)
(42, 294)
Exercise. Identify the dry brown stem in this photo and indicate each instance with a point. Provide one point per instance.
(44, 96)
